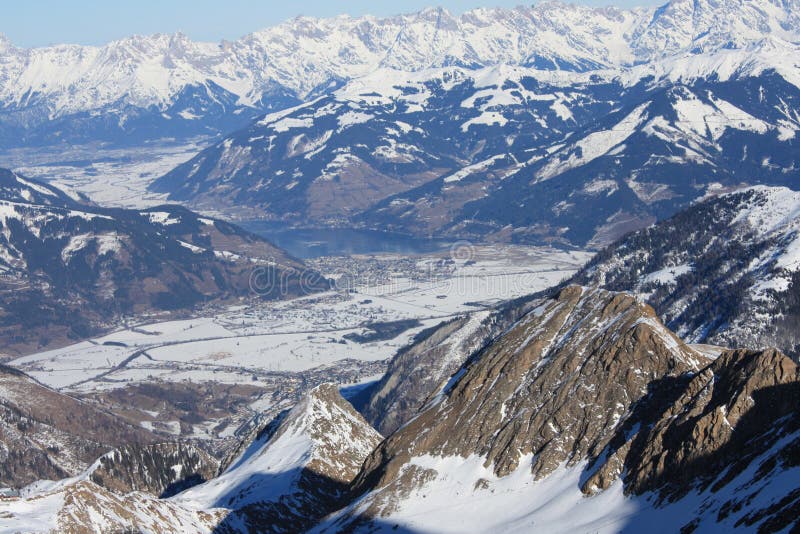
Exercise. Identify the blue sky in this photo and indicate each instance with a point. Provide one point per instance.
(41, 22)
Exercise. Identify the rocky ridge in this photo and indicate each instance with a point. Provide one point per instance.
(723, 271)
(592, 391)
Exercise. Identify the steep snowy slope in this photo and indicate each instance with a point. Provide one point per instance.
(724, 271)
(117, 493)
(655, 155)
(295, 471)
(142, 88)
(589, 415)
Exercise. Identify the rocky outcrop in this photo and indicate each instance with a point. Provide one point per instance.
(161, 469)
(729, 413)
(554, 385)
(298, 470)
(591, 385)
(423, 367)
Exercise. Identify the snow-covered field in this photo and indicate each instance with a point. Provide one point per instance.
(108, 176)
(254, 340)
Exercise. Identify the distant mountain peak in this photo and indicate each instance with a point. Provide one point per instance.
(300, 57)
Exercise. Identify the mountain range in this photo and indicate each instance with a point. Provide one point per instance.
(503, 153)
(149, 87)
(657, 387)
(554, 124)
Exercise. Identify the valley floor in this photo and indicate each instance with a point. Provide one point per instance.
(207, 377)
(114, 177)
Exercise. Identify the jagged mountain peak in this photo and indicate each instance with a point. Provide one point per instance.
(340, 437)
(589, 394)
(560, 380)
(732, 411)
(296, 469)
(5, 43)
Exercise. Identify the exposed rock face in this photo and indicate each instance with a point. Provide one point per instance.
(161, 469)
(424, 368)
(80, 507)
(296, 471)
(592, 383)
(47, 435)
(730, 412)
(554, 385)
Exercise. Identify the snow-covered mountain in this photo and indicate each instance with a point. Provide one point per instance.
(169, 86)
(68, 268)
(589, 415)
(79, 505)
(510, 152)
(296, 470)
(724, 271)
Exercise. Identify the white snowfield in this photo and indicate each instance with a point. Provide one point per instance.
(304, 54)
(465, 496)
